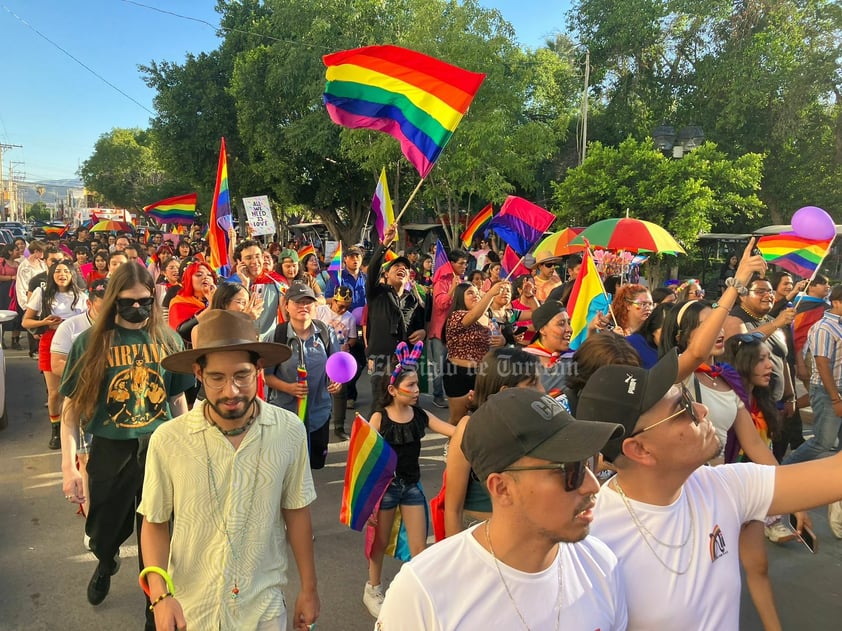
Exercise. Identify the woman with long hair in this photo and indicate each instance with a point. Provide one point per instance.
(648, 337)
(114, 380)
(466, 500)
(468, 337)
(198, 286)
(100, 267)
(61, 299)
(8, 273)
(184, 250)
(507, 317)
(632, 304)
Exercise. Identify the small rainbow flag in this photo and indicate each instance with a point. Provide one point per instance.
(476, 224)
(220, 216)
(335, 266)
(307, 249)
(368, 472)
(586, 298)
(381, 205)
(419, 100)
(793, 253)
(390, 256)
(176, 210)
(56, 230)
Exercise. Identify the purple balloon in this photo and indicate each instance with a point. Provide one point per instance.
(341, 367)
(358, 315)
(811, 222)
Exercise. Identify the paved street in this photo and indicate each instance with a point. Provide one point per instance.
(45, 569)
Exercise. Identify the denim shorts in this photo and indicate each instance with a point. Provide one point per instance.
(403, 493)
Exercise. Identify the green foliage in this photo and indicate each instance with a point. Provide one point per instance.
(38, 212)
(702, 191)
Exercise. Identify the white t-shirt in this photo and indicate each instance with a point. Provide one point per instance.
(722, 407)
(344, 325)
(455, 585)
(68, 331)
(63, 304)
(715, 501)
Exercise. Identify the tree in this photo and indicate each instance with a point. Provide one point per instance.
(702, 191)
(38, 212)
(124, 172)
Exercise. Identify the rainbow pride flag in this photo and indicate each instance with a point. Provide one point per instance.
(220, 215)
(586, 298)
(381, 205)
(56, 230)
(389, 256)
(335, 266)
(793, 253)
(368, 472)
(476, 224)
(307, 249)
(419, 100)
(179, 210)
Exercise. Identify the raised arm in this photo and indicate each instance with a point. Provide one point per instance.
(481, 307)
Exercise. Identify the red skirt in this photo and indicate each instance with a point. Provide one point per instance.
(44, 350)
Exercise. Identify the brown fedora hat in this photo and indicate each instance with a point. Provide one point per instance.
(221, 330)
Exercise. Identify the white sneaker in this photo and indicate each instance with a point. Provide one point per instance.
(373, 599)
(834, 518)
(778, 533)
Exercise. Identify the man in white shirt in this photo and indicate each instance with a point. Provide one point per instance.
(674, 523)
(532, 565)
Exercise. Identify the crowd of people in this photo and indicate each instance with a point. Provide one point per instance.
(191, 406)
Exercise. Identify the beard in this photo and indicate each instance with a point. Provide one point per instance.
(236, 413)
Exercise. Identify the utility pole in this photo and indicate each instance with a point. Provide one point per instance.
(6, 193)
(585, 106)
(14, 191)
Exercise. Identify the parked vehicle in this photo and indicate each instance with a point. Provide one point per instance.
(15, 227)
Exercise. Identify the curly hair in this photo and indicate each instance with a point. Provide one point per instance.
(623, 299)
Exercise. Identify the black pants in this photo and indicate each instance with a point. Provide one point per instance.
(379, 378)
(358, 351)
(115, 481)
(791, 436)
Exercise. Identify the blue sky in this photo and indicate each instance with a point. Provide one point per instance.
(57, 109)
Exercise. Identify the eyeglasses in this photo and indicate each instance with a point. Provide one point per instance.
(641, 304)
(215, 381)
(760, 292)
(129, 302)
(574, 472)
(686, 405)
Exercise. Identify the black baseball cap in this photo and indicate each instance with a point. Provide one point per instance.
(401, 259)
(520, 422)
(299, 291)
(620, 394)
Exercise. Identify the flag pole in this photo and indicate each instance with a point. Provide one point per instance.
(602, 287)
(815, 271)
(411, 197)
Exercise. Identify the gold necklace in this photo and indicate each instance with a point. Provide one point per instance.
(643, 530)
(506, 586)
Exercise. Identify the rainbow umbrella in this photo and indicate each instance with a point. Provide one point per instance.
(631, 235)
(558, 244)
(110, 225)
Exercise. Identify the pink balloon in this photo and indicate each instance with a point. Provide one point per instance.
(358, 315)
(811, 222)
(341, 367)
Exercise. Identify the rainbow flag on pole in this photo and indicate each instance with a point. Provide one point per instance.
(586, 298)
(368, 472)
(306, 250)
(174, 210)
(793, 253)
(476, 224)
(335, 266)
(381, 204)
(220, 215)
(419, 100)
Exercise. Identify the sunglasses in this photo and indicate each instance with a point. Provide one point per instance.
(548, 264)
(574, 472)
(641, 304)
(750, 338)
(686, 404)
(129, 302)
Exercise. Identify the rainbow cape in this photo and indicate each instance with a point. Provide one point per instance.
(520, 223)
(381, 205)
(220, 215)
(419, 100)
(586, 298)
(335, 266)
(793, 253)
(307, 249)
(476, 224)
(368, 472)
(175, 210)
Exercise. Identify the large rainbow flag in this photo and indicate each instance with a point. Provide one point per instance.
(368, 472)
(220, 215)
(381, 205)
(793, 253)
(174, 210)
(476, 224)
(586, 298)
(417, 99)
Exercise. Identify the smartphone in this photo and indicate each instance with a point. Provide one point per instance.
(257, 289)
(807, 536)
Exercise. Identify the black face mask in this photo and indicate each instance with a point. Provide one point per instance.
(128, 312)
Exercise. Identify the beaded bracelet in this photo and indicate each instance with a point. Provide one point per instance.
(144, 585)
(159, 599)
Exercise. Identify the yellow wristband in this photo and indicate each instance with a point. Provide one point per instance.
(159, 599)
(144, 585)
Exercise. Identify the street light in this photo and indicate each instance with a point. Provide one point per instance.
(687, 139)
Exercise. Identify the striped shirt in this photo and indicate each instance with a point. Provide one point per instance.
(201, 562)
(825, 340)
